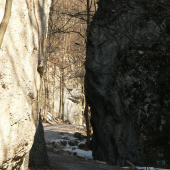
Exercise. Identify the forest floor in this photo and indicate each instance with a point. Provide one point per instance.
(69, 157)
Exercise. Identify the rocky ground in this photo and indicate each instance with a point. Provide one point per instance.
(67, 150)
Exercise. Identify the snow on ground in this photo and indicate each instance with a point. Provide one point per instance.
(73, 147)
(80, 153)
(147, 168)
(73, 150)
(63, 139)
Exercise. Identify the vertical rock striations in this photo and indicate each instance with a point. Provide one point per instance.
(127, 82)
(21, 55)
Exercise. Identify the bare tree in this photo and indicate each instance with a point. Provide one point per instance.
(66, 43)
(66, 49)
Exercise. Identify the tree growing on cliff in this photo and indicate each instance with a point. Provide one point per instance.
(5, 20)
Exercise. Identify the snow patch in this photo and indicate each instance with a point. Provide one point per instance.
(80, 153)
(148, 168)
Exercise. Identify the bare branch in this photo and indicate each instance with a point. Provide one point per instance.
(5, 20)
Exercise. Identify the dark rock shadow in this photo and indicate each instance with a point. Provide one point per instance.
(38, 153)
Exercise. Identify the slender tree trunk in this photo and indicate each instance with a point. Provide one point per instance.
(46, 91)
(86, 107)
(62, 76)
(60, 105)
(88, 15)
(62, 100)
(87, 123)
(54, 114)
(5, 20)
(61, 109)
(46, 100)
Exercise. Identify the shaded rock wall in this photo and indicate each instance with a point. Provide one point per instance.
(21, 54)
(127, 82)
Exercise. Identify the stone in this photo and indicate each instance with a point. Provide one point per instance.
(78, 135)
(75, 153)
(64, 143)
(73, 143)
(38, 153)
(127, 82)
(67, 121)
(20, 54)
(81, 146)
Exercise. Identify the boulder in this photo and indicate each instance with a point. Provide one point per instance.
(127, 82)
(73, 143)
(78, 135)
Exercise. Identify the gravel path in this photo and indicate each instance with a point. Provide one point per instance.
(70, 162)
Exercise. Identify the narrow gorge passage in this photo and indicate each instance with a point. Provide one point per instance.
(60, 157)
(62, 59)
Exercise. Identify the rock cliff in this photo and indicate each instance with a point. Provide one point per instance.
(127, 82)
(21, 55)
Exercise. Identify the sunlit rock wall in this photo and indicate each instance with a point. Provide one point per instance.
(21, 54)
(127, 82)
(73, 101)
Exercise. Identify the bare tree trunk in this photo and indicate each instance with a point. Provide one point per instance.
(51, 88)
(62, 85)
(46, 91)
(54, 114)
(88, 15)
(87, 123)
(46, 100)
(86, 107)
(5, 20)
(60, 105)
(61, 109)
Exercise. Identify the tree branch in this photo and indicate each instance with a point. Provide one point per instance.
(5, 20)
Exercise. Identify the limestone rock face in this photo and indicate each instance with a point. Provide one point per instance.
(73, 97)
(127, 82)
(21, 54)
(73, 109)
